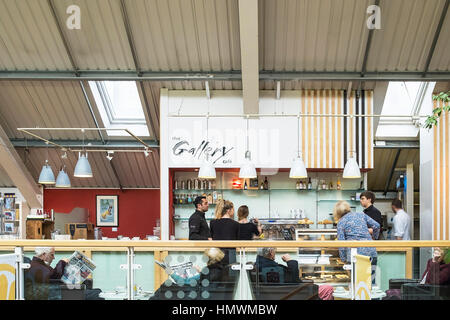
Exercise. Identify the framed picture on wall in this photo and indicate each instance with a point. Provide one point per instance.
(107, 211)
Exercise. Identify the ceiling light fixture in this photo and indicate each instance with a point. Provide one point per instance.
(248, 169)
(62, 181)
(109, 155)
(83, 168)
(298, 169)
(207, 170)
(351, 169)
(46, 176)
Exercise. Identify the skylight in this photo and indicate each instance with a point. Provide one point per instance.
(403, 98)
(120, 106)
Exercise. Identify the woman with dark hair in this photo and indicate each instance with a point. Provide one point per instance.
(247, 230)
(224, 227)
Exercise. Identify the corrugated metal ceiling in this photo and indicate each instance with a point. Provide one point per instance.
(383, 161)
(134, 169)
(203, 35)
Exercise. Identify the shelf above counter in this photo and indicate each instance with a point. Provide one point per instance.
(275, 189)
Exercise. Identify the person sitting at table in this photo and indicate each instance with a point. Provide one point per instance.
(40, 274)
(355, 226)
(247, 230)
(437, 271)
(266, 259)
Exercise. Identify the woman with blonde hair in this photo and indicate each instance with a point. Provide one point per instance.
(224, 227)
(355, 226)
(219, 207)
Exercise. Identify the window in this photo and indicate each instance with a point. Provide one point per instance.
(120, 106)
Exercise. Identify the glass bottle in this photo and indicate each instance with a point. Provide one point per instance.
(324, 185)
(338, 184)
(262, 186)
(182, 199)
(309, 184)
(297, 186)
(183, 184)
(245, 185)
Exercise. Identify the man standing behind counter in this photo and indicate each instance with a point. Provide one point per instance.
(367, 200)
(198, 227)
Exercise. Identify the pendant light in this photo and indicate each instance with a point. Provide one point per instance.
(62, 181)
(46, 176)
(248, 170)
(83, 168)
(207, 170)
(298, 169)
(351, 169)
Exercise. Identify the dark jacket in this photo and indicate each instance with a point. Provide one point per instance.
(375, 214)
(291, 274)
(437, 273)
(40, 277)
(198, 227)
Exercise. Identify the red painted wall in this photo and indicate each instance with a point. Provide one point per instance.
(138, 209)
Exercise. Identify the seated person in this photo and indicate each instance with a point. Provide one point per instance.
(213, 271)
(266, 258)
(437, 271)
(40, 273)
(42, 282)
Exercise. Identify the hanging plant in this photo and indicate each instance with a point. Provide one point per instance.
(433, 119)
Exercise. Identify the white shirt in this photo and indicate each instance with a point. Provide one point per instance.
(402, 224)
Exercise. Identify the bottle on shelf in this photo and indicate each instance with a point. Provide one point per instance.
(298, 185)
(183, 184)
(209, 185)
(245, 185)
(309, 184)
(324, 185)
(262, 186)
(186, 199)
(214, 197)
(182, 199)
(338, 184)
(176, 185)
(266, 184)
(361, 185)
(330, 185)
(196, 184)
(189, 184)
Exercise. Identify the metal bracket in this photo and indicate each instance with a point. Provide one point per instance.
(135, 266)
(25, 265)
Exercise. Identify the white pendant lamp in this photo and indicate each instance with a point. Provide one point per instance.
(207, 170)
(62, 181)
(351, 169)
(298, 169)
(46, 176)
(248, 170)
(83, 168)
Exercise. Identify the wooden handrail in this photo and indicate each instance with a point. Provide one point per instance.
(175, 244)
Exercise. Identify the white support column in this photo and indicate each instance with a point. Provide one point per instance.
(410, 196)
(18, 172)
(164, 161)
(248, 27)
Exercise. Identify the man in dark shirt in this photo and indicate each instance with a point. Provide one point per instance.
(367, 200)
(198, 227)
(266, 258)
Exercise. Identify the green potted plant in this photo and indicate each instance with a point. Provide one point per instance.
(433, 119)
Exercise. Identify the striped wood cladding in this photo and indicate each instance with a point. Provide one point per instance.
(325, 140)
(441, 192)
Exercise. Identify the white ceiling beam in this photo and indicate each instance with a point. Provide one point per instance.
(18, 172)
(379, 94)
(248, 27)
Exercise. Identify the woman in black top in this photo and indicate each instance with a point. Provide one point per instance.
(247, 230)
(225, 228)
